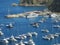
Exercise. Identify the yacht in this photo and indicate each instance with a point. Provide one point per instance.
(31, 42)
(21, 43)
(17, 37)
(23, 36)
(29, 35)
(56, 34)
(56, 44)
(42, 20)
(5, 41)
(1, 33)
(35, 25)
(34, 33)
(53, 15)
(56, 26)
(16, 44)
(51, 36)
(12, 38)
(45, 30)
(32, 15)
(46, 37)
(10, 25)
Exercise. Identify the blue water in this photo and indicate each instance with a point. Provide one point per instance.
(22, 25)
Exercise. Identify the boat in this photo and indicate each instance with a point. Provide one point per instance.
(45, 30)
(9, 25)
(46, 38)
(5, 41)
(14, 4)
(57, 34)
(53, 15)
(56, 44)
(35, 25)
(21, 43)
(29, 35)
(17, 37)
(31, 42)
(51, 36)
(16, 44)
(1, 33)
(34, 34)
(42, 20)
(23, 36)
(32, 15)
(12, 38)
(56, 26)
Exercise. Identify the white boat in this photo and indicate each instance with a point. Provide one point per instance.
(29, 35)
(21, 43)
(12, 38)
(5, 41)
(23, 36)
(46, 38)
(10, 25)
(35, 25)
(17, 37)
(32, 15)
(31, 42)
(42, 20)
(34, 34)
(1, 33)
(56, 26)
(45, 30)
(16, 44)
(57, 34)
(56, 44)
(51, 36)
(53, 15)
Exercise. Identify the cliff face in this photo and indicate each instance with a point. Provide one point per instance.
(33, 1)
(55, 6)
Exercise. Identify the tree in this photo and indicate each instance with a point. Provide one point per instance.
(55, 6)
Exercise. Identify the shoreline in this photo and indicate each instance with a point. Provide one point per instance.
(29, 14)
(14, 4)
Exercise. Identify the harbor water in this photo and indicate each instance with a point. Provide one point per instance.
(22, 25)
